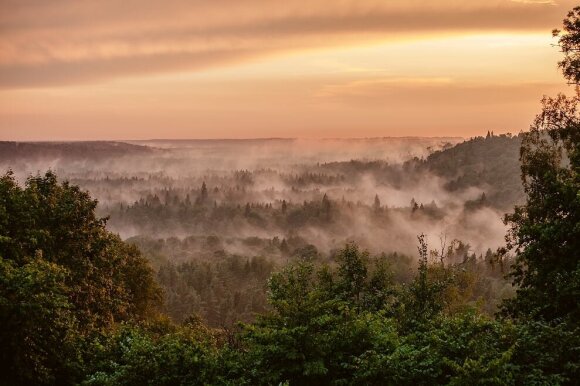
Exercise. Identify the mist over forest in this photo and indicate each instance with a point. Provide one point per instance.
(277, 196)
(274, 201)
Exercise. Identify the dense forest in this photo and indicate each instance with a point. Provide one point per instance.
(184, 267)
(187, 220)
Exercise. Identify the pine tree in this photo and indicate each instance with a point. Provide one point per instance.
(284, 207)
(326, 206)
(377, 203)
(203, 195)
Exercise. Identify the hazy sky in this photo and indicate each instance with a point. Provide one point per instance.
(137, 69)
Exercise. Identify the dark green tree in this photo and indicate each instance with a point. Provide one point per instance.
(321, 321)
(203, 195)
(155, 355)
(545, 231)
(569, 43)
(39, 335)
(377, 203)
(91, 281)
(326, 207)
(352, 273)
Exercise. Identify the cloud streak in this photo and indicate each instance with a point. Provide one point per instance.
(61, 42)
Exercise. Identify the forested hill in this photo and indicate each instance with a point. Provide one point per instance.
(10, 151)
(488, 162)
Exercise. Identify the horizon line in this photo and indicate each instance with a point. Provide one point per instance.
(236, 139)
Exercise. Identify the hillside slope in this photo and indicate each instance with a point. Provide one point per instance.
(491, 163)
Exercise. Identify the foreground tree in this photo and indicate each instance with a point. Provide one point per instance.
(545, 231)
(569, 43)
(64, 276)
(155, 354)
(349, 324)
(39, 333)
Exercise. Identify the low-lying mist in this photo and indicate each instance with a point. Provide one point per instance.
(281, 198)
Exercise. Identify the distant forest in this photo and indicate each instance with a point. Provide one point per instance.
(197, 228)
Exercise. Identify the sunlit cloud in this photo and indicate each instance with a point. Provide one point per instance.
(247, 68)
(94, 41)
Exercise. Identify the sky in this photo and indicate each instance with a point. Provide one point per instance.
(143, 69)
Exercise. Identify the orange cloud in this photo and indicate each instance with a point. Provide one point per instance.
(262, 68)
(61, 42)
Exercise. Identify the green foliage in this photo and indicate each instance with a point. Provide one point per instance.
(545, 234)
(545, 231)
(320, 322)
(344, 323)
(348, 323)
(424, 295)
(38, 328)
(108, 280)
(570, 43)
(222, 292)
(547, 353)
(321, 333)
(139, 356)
(490, 163)
(464, 349)
(64, 277)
